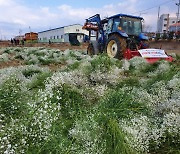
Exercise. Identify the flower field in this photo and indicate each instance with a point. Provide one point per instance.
(87, 105)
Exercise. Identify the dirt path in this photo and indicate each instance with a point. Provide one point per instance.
(60, 46)
(168, 46)
(12, 63)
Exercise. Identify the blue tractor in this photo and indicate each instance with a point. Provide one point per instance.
(120, 36)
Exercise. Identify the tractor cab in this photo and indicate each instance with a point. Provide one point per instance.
(129, 27)
(121, 23)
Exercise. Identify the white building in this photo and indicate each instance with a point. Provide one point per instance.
(63, 34)
(164, 22)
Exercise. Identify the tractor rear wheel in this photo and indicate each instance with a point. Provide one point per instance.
(93, 48)
(115, 46)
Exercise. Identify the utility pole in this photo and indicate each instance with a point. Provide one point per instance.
(158, 19)
(178, 4)
(0, 35)
(20, 31)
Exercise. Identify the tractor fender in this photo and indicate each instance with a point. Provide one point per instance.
(120, 33)
(142, 36)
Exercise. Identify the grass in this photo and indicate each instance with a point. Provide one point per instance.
(119, 104)
(41, 113)
(12, 99)
(165, 77)
(74, 66)
(115, 139)
(30, 72)
(103, 63)
(39, 82)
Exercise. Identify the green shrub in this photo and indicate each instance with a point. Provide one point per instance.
(39, 82)
(30, 72)
(73, 66)
(18, 49)
(115, 138)
(19, 57)
(7, 50)
(12, 98)
(128, 82)
(32, 62)
(45, 61)
(166, 76)
(103, 63)
(119, 104)
(72, 102)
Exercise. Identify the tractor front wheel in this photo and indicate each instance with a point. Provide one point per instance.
(115, 47)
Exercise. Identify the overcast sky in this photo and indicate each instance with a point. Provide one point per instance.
(21, 16)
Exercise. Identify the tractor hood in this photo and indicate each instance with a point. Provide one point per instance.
(141, 36)
(123, 33)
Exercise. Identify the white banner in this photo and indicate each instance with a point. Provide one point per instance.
(152, 53)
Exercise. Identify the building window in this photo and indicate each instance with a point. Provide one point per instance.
(61, 36)
(165, 19)
(165, 25)
(77, 30)
(57, 37)
(54, 37)
(164, 31)
(173, 22)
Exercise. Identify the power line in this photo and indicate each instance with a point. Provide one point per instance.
(154, 6)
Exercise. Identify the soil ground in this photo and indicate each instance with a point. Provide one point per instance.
(11, 63)
(61, 46)
(168, 46)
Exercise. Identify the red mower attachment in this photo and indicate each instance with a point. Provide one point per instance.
(151, 55)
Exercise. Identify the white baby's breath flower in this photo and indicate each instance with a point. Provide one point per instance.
(138, 63)
(126, 64)
(138, 128)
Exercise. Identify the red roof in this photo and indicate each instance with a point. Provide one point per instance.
(176, 24)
